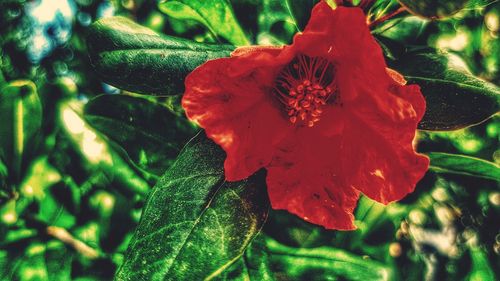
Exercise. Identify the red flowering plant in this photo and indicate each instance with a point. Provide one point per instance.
(313, 126)
(324, 116)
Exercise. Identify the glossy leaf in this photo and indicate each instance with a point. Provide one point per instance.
(455, 97)
(21, 117)
(464, 165)
(324, 263)
(195, 225)
(134, 58)
(433, 9)
(149, 133)
(216, 15)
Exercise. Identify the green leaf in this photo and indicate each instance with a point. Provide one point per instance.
(406, 30)
(252, 266)
(21, 117)
(257, 261)
(58, 260)
(433, 9)
(324, 263)
(41, 175)
(301, 11)
(276, 23)
(481, 268)
(8, 213)
(455, 97)
(2, 77)
(15, 236)
(51, 261)
(10, 258)
(149, 133)
(464, 165)
(53, 212)
(216, 15)
(134, 58)
(3, 175)
(97, 155)
(195, 225)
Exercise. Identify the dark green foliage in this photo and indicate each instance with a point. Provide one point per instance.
(150, 134)
(21, 115)
(194, 224)
(216, 15)
(137, 59)
(77, 163)
(455, 98)
(434, 9)
(301, 10)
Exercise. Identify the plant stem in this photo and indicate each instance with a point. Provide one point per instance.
(66, 237)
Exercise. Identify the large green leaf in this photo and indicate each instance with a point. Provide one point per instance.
(134, 58)
(455, 97)
(464, 165)
(149, 133)
(433, 9)
(195, 225)
(324, 263)
(21, 117)
(216, 15)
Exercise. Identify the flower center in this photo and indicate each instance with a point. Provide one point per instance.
(304, 86)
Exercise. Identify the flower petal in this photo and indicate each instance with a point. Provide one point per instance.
(236, 110)
(378, 155)
(342, 32)
(342, 35)
(304, 178)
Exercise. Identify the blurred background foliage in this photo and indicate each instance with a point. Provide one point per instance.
(77, 160)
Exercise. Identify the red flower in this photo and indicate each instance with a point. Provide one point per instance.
(322, 115)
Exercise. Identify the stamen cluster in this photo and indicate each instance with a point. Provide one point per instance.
(305, 102)
(304, 86)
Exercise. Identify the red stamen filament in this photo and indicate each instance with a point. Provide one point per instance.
(304, 87)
